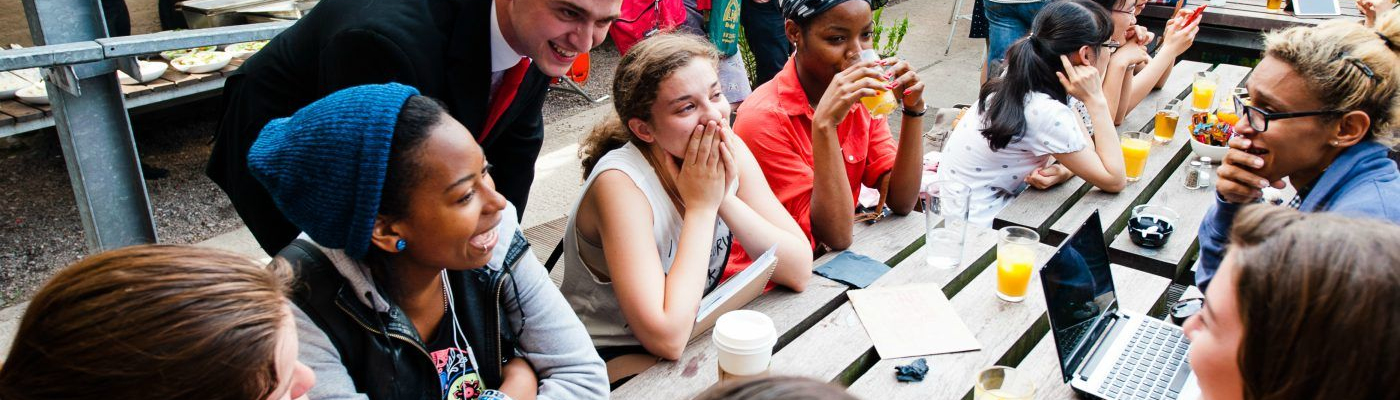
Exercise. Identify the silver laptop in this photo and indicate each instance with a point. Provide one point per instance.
(1105, 352)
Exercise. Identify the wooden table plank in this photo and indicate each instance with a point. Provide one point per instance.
(1137, 291)
(21, 111)
(997, 324)
(838, 348)
(131, 91)
(1037, 209)
(792, 313)
(1115, 207)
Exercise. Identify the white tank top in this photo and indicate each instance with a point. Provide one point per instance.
(591, 297)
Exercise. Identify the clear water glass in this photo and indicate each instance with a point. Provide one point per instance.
(945, 218)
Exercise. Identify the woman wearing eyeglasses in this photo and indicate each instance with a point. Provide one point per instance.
(1321, 110)
(1025, 119)
(1132, 72)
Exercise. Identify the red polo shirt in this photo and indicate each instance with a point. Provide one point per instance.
(776, 123)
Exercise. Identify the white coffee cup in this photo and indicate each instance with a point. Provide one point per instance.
(745, 341)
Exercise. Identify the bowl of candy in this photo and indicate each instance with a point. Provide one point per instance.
(1210, 133)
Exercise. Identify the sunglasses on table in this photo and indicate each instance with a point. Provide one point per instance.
(1259, 119)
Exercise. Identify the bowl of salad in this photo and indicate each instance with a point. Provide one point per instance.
(150, 70)
(34, 94)
(201, 62)
(11, 83)
(245, 49)
(171, 55)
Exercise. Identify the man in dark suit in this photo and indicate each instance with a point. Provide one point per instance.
(489, 61)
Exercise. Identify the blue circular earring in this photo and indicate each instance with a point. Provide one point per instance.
(400, 245)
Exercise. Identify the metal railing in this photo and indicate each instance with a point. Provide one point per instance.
(89, 109)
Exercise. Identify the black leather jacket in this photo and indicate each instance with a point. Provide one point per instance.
(382, 351)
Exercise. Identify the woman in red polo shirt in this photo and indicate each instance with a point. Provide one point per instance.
(815, 143)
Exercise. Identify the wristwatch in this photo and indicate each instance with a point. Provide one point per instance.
(493, 394)
(912, 113)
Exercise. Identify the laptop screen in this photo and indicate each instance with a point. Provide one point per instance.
(1078, 291)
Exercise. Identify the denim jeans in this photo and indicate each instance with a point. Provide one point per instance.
(1008, 22)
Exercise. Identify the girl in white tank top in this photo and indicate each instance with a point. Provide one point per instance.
(669, 190)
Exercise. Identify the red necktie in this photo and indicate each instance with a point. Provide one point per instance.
(505, 93)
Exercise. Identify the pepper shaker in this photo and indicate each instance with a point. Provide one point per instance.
(1193, 176)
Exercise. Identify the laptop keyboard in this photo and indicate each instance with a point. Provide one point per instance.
(1145, 370)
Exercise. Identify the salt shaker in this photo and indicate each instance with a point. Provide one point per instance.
(1203, 177)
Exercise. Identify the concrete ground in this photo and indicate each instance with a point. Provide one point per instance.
(951, 79)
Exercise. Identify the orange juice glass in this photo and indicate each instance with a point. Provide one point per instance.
(1136, 147)
(1273, 5)
(1015, 261)
(883, 103)
(1203, 90)
(1227, 113)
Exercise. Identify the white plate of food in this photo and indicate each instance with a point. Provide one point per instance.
(245, 49)
(11, 83)
(34, 94)
(150, 70)
(173, 54)
(201, 62)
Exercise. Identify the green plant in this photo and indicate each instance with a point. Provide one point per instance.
(895, 36)
(747, 56)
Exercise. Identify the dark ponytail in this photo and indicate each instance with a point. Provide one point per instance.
(1061, 28)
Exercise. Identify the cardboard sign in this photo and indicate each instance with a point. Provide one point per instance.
(913, 320)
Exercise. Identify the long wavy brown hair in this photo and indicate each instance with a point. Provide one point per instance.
(637, 80)
(1318, 296)
(151, 322)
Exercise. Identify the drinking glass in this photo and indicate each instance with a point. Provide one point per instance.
(1274, 5)
(1003, 383)
(1167, 118)
(1015, 261)
(1203, 90)
(1136, 147)
(882, 103)
(1227, 112)
(945, 216)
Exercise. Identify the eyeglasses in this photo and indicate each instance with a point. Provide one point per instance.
(1259, 119)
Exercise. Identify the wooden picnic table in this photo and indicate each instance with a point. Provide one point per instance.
(821, 336)
(1239, 22)
(18, 117)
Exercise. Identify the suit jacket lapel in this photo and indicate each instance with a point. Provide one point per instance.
(532, 87)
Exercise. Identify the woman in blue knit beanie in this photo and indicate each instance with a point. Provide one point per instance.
(414, 281)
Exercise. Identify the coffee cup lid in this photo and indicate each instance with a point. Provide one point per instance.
(745, 330)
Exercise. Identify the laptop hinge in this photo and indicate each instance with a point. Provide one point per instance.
(1101, 344)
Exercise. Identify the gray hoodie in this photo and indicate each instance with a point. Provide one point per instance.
(555, 342)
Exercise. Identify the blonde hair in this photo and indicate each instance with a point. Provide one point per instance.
(1335, 57)
(639, 75)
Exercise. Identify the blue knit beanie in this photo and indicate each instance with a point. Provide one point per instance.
(324, 166)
